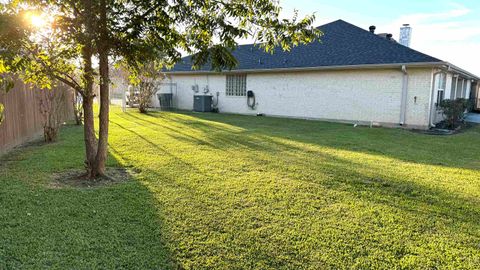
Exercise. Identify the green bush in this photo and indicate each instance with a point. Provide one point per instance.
(470, 105)
(454, 110)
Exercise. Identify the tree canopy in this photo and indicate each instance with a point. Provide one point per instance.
(80, 32)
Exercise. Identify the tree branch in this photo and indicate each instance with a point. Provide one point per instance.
(67, 79)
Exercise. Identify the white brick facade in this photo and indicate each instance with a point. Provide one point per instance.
(351, 95)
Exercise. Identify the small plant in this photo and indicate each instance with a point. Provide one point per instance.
(50, 103)
(454, 111)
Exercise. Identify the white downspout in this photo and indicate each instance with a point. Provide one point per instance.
(432, 100)
(403, 106)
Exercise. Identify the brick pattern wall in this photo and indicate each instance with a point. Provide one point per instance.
(356, 95)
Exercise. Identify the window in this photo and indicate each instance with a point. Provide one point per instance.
(454, 88)
(464, 90)
(460, 84)
(236, 85)
(441, 83)
(440, 97)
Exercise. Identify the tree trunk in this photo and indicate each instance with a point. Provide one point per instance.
(88, 116)
(50, 134)
(89, 136)
(104, 114)
(103, 50)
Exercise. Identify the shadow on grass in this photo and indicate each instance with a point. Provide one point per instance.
(111, 227)
(213, 212)
(458, 151)
(387, 185)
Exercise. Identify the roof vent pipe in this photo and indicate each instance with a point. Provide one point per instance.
(389, 36)
(372, 29)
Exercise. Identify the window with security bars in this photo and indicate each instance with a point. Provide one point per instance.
(236, 85)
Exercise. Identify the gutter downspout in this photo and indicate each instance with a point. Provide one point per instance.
(432, 107)
(403, 106)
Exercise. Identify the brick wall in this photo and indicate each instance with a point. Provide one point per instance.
(356, 95)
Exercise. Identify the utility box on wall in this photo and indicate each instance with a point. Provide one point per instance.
(202, 103)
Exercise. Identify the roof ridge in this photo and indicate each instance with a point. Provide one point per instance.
(385, 40)
(343, 44)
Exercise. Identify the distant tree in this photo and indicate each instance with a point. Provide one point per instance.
(145, 78)
(51, 104)
(138, 31)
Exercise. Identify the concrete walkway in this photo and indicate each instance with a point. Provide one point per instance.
(473, 118)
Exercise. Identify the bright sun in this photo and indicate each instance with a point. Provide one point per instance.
(38, 20)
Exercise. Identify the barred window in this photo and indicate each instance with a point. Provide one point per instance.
(236, 85)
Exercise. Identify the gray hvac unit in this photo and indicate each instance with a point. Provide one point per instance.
(166, 101)
(202, 103)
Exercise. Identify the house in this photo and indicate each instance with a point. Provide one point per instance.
(352, 75)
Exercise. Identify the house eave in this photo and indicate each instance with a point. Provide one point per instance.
(455, 69)
(322, 68)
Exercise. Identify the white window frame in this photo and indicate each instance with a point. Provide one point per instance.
(465, 89)
(236, 85)
(453, 91)
(441, 85)
(459, 89)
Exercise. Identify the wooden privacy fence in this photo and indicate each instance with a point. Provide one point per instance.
(23, 121)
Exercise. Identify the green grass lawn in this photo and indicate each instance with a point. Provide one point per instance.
(240, 192)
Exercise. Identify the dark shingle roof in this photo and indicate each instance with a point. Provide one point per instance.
(343, 44)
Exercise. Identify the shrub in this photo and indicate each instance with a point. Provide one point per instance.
(454, 110)
(50, 104)
(145, 79)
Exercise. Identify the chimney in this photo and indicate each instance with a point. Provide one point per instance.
(372, 29)
(405, 35)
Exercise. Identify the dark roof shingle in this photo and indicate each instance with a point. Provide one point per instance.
(343, 44)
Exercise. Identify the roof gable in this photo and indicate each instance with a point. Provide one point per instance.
(343, 44)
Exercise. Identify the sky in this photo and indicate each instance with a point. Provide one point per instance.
(448, 30)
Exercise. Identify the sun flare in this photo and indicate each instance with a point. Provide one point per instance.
(38, 20)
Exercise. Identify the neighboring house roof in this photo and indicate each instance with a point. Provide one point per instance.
(343, 44)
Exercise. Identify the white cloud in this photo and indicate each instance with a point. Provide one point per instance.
(450, 34)
(447, 35)
(458, 11)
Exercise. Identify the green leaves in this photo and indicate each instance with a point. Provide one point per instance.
(454, 110)
(142, 31)
(39, 57)
(209, 29)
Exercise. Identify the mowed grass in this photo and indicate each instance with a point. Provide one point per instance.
(240, 192)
